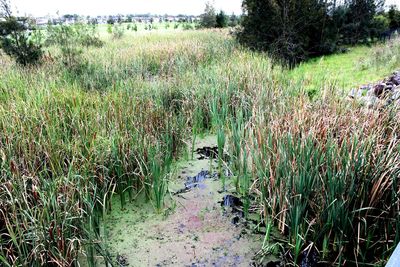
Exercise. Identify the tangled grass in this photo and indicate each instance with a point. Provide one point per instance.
(324, 172)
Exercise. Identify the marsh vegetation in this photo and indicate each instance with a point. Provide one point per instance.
(77, 136)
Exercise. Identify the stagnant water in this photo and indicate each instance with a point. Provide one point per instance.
(201, 226)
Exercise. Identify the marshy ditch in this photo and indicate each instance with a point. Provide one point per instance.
(201, 226)
(309, 177)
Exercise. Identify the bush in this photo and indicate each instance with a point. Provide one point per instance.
(380, 26)
(208, 19)
(118, 31)
(71, 40)
(221, 20)
(88, 35)
(15, 39)
(233, 20)
(187, 26)
(394, 17)
(295, 30)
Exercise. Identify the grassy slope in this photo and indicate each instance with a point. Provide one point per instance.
(347, 70)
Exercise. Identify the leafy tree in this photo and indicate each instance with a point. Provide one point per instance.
(290, 30)
(380, 26)
(15, 38)
(208, 19)
(295, 30)
(360, 20)
(394, 17)
(110, 20)
(233, 20)
(221, 20)
(94, 21)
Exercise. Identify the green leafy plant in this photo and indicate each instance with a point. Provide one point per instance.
(15, 37)
(118, 31)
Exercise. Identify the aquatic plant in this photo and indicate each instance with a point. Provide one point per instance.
(324, 173)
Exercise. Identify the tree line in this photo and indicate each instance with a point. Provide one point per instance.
(211, 19)
(295, 30)
(289, 30)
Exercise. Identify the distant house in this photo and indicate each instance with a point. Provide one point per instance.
(69, 21)
(42, 21)
(101, 20)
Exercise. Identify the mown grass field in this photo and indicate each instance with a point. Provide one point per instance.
(322, 170)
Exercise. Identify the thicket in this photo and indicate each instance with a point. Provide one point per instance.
(295, 30)
(16, 37)
(118, 31)
(393, 17)
(211, 19)
(72, 39)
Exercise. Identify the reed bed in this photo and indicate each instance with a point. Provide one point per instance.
(324, 172)
(326, 175)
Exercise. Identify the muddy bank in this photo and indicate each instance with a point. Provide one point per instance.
(201, 226)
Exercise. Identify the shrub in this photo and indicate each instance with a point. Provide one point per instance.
(295, 30)
(233, 20)
(292, 38)
(380, 25)
(15, 39)
(71, 40)
(221, 20)
(208, 19)
(88, 35)
(187, 26)
(118, 31)
(394, 17)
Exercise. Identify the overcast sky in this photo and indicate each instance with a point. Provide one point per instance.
(393, 2)
(106, 7)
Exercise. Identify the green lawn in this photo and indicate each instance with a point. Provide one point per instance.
(360, 65)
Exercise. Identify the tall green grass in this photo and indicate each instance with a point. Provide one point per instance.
(327, 175)
(71, 140)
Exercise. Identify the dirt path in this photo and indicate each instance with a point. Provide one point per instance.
(196, 232)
